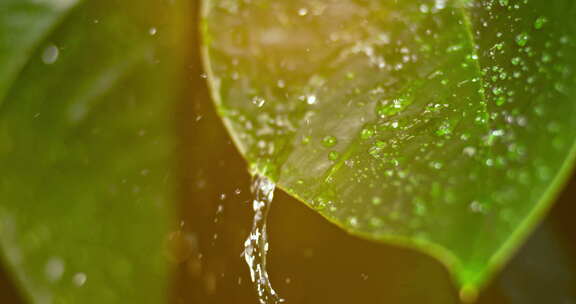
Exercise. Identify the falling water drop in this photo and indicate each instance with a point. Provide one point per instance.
(256, 245)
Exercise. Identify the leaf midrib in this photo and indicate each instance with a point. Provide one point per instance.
(354, 145)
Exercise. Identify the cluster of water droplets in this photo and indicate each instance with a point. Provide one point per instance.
(434, 110)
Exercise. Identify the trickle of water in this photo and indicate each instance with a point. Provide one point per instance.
(256, 245)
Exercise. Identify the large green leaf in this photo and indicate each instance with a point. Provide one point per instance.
(447, 126)
(87, 90)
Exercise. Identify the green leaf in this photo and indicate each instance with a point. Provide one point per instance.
(447, 126)
(87, 91)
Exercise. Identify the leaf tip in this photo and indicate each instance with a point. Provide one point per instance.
(468, 294)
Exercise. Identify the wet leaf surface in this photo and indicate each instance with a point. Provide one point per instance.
(441, 125)
(312, 261)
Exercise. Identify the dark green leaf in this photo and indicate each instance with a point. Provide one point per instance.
(87, 91)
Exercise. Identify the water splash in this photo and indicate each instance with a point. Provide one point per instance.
(256, 245)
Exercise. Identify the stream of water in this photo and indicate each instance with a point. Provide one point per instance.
(256, 245)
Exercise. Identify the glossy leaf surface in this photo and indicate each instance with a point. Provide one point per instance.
(447, 126)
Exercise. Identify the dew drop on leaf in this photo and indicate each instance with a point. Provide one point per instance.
(329, 141)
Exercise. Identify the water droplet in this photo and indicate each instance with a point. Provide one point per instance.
(329, 141)
(469, 151)
(389, 108)
(54, 269)
(333, 155)
(79, 279)
(478, 207)
(258, 101)
(436, 165)
(540, 22)
(522, 39)
(311, 99)
(366, 133)
(497, 91)
(445, 129)
(50, 54)
(353, 221)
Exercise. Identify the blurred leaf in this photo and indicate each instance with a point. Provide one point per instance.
(87, 90)
(447, 126)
